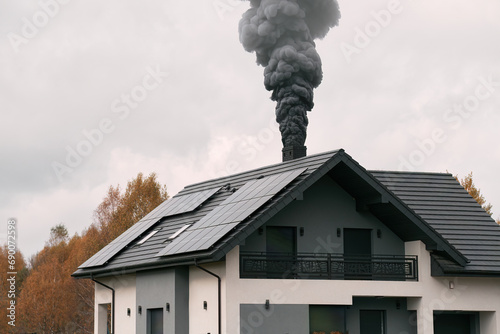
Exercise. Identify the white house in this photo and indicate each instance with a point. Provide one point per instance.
(315, 244)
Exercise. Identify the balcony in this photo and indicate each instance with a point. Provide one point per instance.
(328, 266)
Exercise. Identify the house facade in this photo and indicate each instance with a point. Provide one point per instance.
(312, 245)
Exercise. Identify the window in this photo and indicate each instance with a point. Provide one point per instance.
(155, 321)
(143, 240)
(176, 234)
(327, 318)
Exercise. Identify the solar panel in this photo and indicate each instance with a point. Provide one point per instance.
(118, 244)
(181, 204)
(176, 205)
(217, 223)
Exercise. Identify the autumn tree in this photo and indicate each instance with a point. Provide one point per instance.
(44, 302)
(52, 301)
(103, 215)
(115, 214)
(468, 184)
(82, 296)
(58, 234)
(118, 211)
(16, 260)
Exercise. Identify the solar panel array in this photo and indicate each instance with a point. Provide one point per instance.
(176, 205)
(212, 227)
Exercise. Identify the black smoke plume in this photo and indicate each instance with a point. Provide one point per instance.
(282, 33)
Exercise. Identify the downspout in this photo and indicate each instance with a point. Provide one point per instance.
(112, 303)
(218, 293)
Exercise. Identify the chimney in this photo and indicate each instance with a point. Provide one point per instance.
(293, 152)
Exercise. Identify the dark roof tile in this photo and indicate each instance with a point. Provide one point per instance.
(449, 209)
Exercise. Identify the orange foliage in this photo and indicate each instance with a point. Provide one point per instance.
(51, 301)
(8, 294)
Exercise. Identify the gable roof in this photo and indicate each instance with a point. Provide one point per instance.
(454, 214)
(377, 192)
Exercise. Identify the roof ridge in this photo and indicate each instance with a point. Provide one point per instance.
(409, 172)
(256, 170)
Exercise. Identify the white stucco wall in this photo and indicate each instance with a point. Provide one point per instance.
(203, 287)
(468, 294)
(425, 296)
(125, 297)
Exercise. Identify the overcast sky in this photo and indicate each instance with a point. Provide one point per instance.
(94, 92)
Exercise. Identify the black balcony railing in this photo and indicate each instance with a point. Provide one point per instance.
(328, 266)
